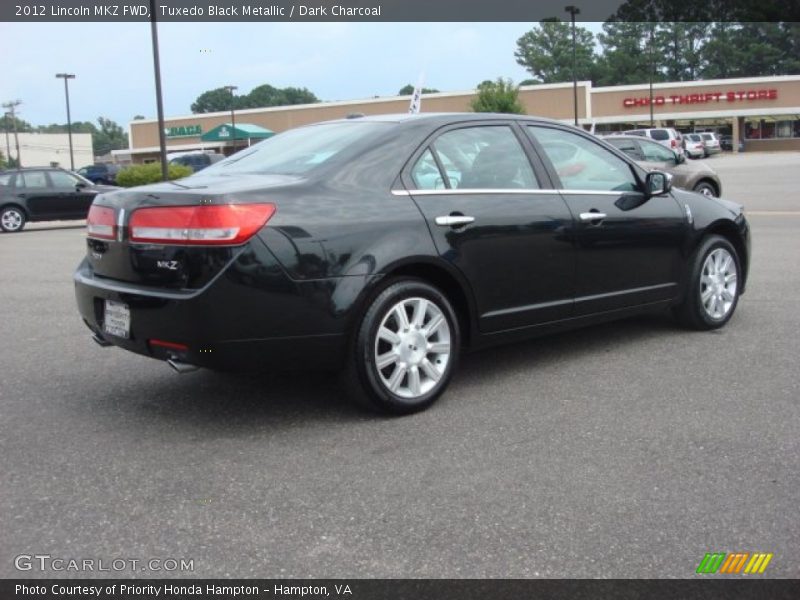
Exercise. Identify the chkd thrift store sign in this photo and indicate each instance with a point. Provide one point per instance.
(706, 98)
(183, 131)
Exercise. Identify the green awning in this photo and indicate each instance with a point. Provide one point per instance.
(243, 131)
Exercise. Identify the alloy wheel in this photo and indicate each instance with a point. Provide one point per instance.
(718, 283)
(412, 347)
(11, 219)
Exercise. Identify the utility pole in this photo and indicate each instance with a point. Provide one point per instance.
(162, 138)
(11, 106)
(574, 10)
(231, 89)
(66, 77)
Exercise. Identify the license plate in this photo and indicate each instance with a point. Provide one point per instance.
(117, 320)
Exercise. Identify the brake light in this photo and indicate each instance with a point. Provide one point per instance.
(674, 143)
(100, 223)
(169, 345)
(216, 225)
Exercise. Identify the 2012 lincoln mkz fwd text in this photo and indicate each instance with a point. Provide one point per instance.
(385, 246)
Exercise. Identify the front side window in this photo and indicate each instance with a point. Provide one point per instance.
(656, 152)
(31, 179)
(60, 179)
(484, 157)
(582, 164)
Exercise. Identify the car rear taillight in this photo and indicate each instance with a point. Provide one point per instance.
(216, 225)
(100, 223)
(674, 143)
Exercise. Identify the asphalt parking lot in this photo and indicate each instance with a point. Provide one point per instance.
(624, 450)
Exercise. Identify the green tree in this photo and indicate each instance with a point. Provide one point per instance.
(546, 52)
(108, 137)
(219, 100)
(215, 100)
(626, 57)
(408, 89)
(500, 96)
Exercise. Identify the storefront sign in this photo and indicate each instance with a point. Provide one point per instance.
(708, 97)
(183, 131)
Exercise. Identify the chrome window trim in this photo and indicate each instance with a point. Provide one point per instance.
(471, 191)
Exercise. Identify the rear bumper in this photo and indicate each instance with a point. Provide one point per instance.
(245, 318)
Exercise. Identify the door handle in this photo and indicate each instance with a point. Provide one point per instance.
(454, 220)
(593, 216)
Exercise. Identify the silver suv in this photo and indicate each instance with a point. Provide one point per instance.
(666, 136)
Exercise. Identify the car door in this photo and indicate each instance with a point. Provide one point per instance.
(493, 219)
(75, 196)
(33, 188)
(628, 245)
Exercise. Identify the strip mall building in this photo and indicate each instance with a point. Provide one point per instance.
(763, 112)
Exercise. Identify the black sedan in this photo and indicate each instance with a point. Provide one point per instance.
(385, 246)
(44, 194)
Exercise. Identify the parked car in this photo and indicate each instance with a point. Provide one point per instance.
(697, 177)
(44, 194)
(322, 247)
(726, 143)
(100, 173)
(694, 146)
(711, 143)
(197, 161)
(666, 136)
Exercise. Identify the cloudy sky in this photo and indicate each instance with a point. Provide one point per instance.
(337, 61)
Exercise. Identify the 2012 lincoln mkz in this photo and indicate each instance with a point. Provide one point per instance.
(385, 246)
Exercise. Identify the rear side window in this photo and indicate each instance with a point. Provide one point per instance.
(484, 157)
(426, 173)
(31, 179)
(5, 179)
(659, 134)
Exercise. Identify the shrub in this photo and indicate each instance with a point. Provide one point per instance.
(500, 96)
(149, 173)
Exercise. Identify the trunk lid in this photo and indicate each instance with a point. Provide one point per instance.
(174, 266)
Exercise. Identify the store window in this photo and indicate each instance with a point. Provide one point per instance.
(769, 128)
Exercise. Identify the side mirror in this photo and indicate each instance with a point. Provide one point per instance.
(79, 186)
(680, 158)
(658, 183)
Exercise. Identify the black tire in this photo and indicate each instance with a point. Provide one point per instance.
(365, 383)
(12, 218)
(692, 312)
(706, 189)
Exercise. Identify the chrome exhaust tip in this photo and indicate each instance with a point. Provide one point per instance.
(181, 367)
(100, 341)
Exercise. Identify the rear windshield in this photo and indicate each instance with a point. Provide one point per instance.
(297, 151)
(659, 134)
(694, 137)
(708, 136)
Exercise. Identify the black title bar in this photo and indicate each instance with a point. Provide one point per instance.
(397, 10)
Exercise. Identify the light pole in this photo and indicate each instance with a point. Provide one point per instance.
(11, 106)
(66, 77)
(231, 89)
(574, 10)
(8, 144)
(162, 138)
(650, 70)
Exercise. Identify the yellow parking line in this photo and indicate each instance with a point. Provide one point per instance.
(772, 213)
